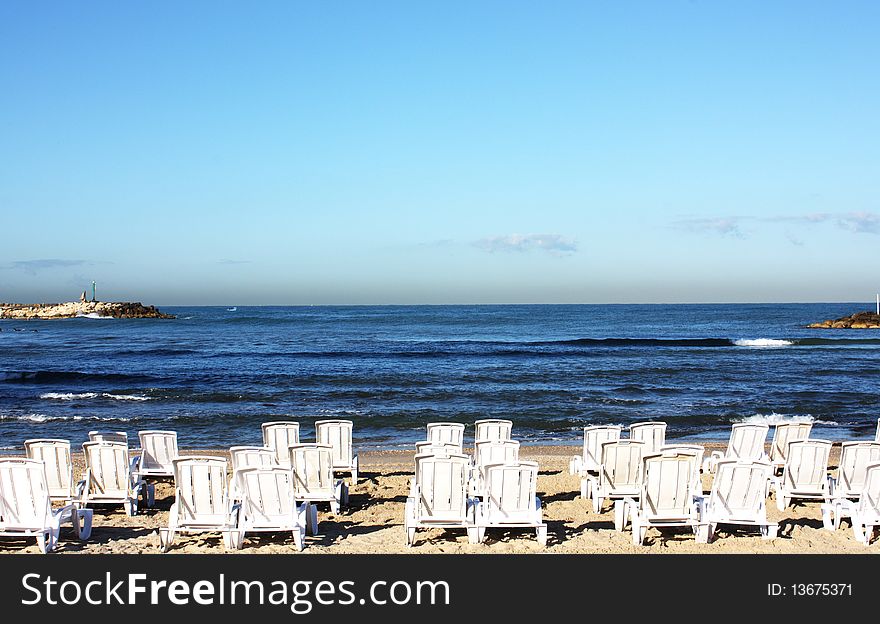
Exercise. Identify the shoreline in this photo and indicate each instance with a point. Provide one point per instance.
(373, 522)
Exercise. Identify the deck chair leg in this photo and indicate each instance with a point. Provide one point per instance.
(597, 503)
(82, 523)
(312, 513)
(298, 538)
(701, 533)
(473, 534)
(637, 532)
(229, 539)
(150, 494)
(131, 507)
(542, 535)
(710, 532)
(410, 535)
(828, 517)
(768, 531)
(620, 508)
(781, 502)
(42, 542)
(166, 537)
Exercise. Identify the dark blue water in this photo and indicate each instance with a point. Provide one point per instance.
(214, 375)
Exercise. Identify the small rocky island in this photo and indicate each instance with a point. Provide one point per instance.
(71, 309)
(859, 320)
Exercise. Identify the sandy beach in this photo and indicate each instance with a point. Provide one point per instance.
(372, 523)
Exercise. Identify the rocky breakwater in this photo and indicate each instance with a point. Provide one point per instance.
(859, 320)
(107, 309)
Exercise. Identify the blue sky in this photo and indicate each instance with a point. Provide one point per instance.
(472, 152)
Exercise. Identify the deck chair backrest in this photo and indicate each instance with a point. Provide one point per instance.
(24, 494)
(108, 466)
(312, 466)
(55, 455)
(747, 441)
(278, 436)
(783, 433)
(869, 497)
(442, 482)
(446, 432)
(336, 433)
(108, 436)
(158, 450)
(509, 488)
(594, 437)
(268, 497)
(739, 487)
(621, 464)
(853, 465)
(695, 449)
(445, 448)
(653, 434)
(493, 429)
(251, 457)
(495, 452)
(806, 466)
(667, 489)
(201, 488)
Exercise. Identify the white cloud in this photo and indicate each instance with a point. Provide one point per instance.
(725, 226)
(33, 266)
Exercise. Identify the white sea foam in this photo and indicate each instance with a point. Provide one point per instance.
(763, 342)
(775, 419)
(71, 396)
(68, 396)
(93, 315)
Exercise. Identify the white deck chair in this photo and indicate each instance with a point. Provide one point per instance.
(697, 450)
(865, 510)
(746, 442)
(493, 429)
(849, 482)
(439, 497)
(508, 499)
(446, 432)
(278, 436)
(158, 450)
(337, 433)
(26, 509)
(108, 436)
(201, 501)
(653, 434)
(55, 455)
(314, 482)
(619, 475)
(491, 452)
(269, 504)
(666, 498)
(739, 496)
(805, 474)
(591, 456)
(783, 433)
(109, 478)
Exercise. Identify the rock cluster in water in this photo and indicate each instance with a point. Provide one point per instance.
(71, 309)
(859, 320)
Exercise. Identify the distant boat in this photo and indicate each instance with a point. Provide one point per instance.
(232, 309)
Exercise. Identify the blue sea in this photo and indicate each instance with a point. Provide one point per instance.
(214, 374)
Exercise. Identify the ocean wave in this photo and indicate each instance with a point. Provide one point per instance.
(71, 396)
(93, 315)
(775, 419)
(763, 343)
(41, 418)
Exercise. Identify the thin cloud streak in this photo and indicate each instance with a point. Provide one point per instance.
(31, 267)
(555, 244)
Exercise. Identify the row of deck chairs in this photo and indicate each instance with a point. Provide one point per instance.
(112, 476)
(492, 488)
(662, 487)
